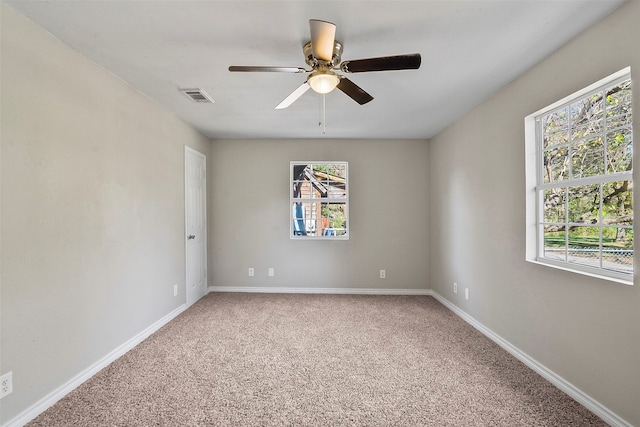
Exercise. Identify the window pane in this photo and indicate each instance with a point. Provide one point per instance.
(304, 216)
(615, 120)
(555, 164)
(617, 249)
(337, 170)
(554, 243)
(297, 218)
(337, 189)
(556, 127)
(584, 204)
(335, 214)
(300, 189)
(618, 102)
(587, 116)
(314, 227)
(334, 219)
(340, 231)
(554, 205)
(556, 138)
(318, 190)
(617, 203)
(587, 157)
(584, 246)
(619, 150)
(587, 128)
(324, 170)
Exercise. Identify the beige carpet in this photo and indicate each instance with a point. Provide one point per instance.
(317, 360)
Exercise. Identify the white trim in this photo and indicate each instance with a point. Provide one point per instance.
(575, 393)
(341, 291)
(49, 400)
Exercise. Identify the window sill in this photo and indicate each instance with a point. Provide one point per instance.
(628, 282)
(292, 237)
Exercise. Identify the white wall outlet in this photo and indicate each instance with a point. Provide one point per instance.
(383, 274)
(466, 293)
(6, 384)
(455, 288)
(175, 290)
(252, 272)
(272, 272)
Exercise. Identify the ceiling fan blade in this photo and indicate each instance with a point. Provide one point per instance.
(383, 63)
(254, 68)
(323, 35)
(354, 91)
(294, 96)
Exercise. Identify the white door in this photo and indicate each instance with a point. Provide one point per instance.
(195, 166)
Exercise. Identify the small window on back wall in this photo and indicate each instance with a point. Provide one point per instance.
(319, 202)
(583, 186)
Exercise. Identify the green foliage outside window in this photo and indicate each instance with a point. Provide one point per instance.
(587, 190)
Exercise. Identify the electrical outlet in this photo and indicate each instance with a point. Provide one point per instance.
(383, 274)
(271, 272)
(175, 290)
(466, 293)
(6, 384)
(252, 272)
(455, 288)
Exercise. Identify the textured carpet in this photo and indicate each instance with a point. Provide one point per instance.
(316, 360)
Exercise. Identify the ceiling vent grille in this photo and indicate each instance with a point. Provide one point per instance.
(197, 95)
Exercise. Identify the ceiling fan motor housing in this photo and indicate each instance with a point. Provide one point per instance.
(315, 63)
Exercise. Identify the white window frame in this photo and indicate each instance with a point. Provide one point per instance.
(342, 200)
(534, 189)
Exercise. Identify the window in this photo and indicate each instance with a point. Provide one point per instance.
(319, 200)
(580, 151)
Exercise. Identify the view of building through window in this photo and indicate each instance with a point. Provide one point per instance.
(585, 207)
(319, 204)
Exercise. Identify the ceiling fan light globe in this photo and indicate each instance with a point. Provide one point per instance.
(323, 82)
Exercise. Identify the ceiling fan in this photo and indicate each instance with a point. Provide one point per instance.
(324, 54)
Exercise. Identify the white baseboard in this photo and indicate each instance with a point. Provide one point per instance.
(342, 291)
(50, 399)
(579, 396)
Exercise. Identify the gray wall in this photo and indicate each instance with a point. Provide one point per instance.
(92, 212)
(389, 211)
(586, 330)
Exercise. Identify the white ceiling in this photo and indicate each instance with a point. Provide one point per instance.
(469, 49)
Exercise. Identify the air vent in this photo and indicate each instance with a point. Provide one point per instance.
(197, 95)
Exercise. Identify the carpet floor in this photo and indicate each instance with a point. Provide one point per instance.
(317, 360)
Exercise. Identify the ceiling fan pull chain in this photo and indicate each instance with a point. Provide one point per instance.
(320, 112)
(323, 117)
